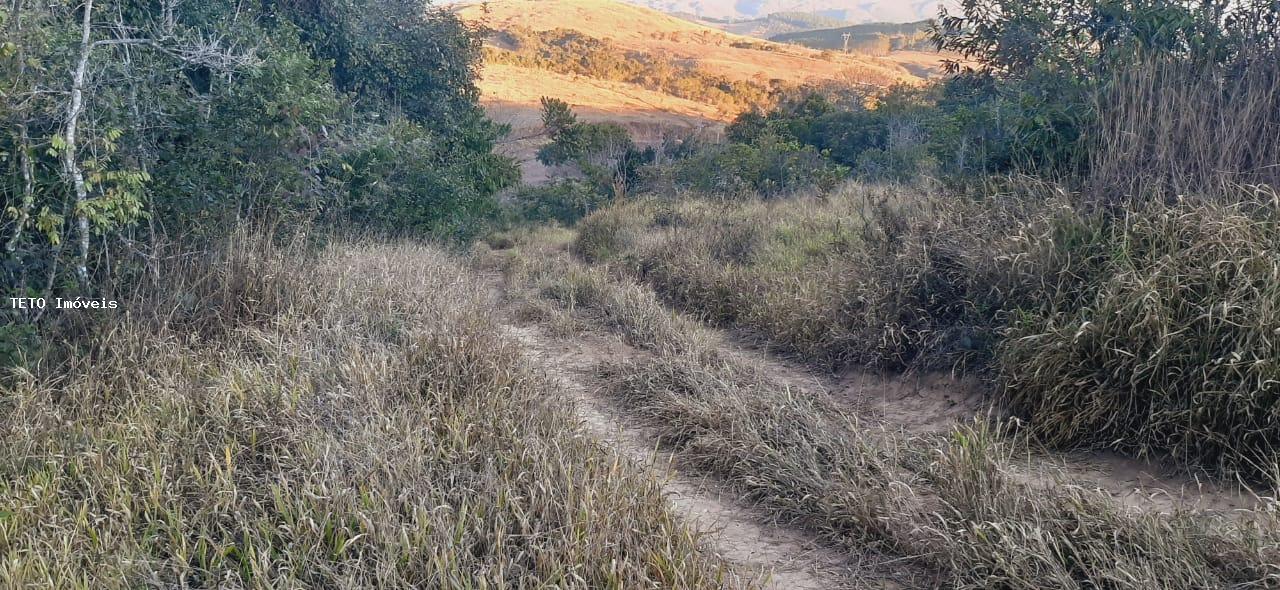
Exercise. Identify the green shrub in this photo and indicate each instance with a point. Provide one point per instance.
(564, 202)
(768, 167)
(229, 112)
(19, 343)
(401, 177)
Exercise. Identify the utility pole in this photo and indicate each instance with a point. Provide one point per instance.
(846, 36)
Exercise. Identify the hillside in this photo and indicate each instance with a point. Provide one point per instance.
(644, 30)
(767, 26)
(649, 71)
(512, 95)
(865, 38)
(872, 11)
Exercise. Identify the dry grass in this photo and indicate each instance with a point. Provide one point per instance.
(1173, 128)
(1174, 345)
(1154, 332)
(958, 509)
(348, 419)
(649, 31)
(868, 275)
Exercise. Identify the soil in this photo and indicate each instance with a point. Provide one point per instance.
(745, 536)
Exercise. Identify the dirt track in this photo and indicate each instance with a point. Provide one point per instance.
(789, 556)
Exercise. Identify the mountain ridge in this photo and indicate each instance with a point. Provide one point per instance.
(845, 10)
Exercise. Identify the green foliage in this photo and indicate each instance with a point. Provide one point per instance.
(1044, 83)
(292, 113)
(19, 344)
(403, 176)
(888, 141)
(604, 152)
(394, 52)
(564, 202)
(1032, 100)
(769, 166)
(557, 116)
(580, 142)
(254, 146)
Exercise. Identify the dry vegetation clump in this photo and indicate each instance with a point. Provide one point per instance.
(867, 275)
(1184, 128)
(347, 419)
(959, 506)
(1172, 347)
(1152, 331)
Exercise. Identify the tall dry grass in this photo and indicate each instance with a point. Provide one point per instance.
(1171, 348)
(1152, 331)
(869, 275)
(1171, 128)
(957, 511)
(352, 418)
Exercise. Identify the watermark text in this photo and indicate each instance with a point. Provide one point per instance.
(41, 303)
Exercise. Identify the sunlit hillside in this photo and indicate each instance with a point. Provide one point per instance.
(769, 25)
(663, 72)
(641, 29)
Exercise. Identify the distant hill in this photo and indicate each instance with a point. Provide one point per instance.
(774, 24)
(870, 39)
(859, 11)
(648, 71)
(638, 32)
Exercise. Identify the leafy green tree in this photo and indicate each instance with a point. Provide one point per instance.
(603, 151)
(129, 120)
(1031, 98)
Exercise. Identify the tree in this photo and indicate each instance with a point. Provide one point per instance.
(82, 127)
(603, 151)
(190, 116)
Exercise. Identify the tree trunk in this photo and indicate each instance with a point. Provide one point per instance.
(28, 189)
(69, 162)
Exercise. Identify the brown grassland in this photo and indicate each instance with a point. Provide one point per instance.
(346, 419)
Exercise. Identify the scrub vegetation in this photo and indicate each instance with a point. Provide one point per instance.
(347, 349)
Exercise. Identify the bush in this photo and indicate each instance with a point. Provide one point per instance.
(228, 112)
(894, 140)
(768, 167)
(610, 232)
(19, 343)
(401, 177)
(564, 202)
